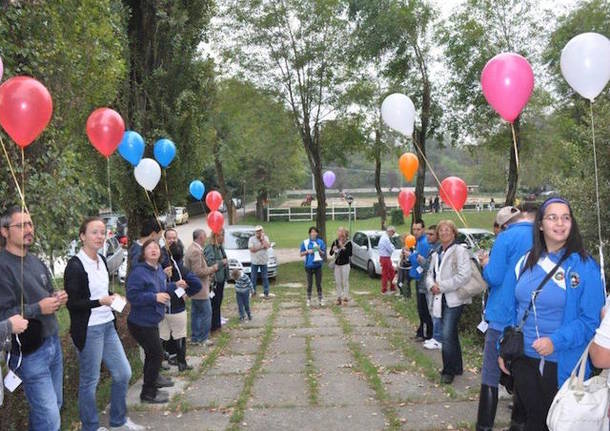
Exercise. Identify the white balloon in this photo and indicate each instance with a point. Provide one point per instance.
(398, 112)
(585, 64)
(147, 173)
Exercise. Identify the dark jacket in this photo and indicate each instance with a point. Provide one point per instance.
(193, 287)
(143, 284)
(76, 285)
(342, 255)
(215, 254)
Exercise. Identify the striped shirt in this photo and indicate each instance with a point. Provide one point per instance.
(243, 284)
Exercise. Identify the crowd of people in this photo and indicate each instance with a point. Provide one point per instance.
(539, 278)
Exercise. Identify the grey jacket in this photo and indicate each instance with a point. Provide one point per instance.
(453, 272)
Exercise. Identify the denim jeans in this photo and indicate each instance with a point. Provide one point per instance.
(311, 274)
(254, 275)
(201, 320)
(42, 375)
(490, 372)
(243, 304)
(102, 344)
(437, 329)
(452, 351)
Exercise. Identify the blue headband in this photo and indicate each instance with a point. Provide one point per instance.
(553, 201)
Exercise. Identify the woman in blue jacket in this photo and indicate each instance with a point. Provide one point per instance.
(148, 292)
(564, 315)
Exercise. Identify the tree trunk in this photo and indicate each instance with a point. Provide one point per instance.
(260, 204)
(421, 178)
(513, 172)
(224, 191)
(380, 198)
(320, 196)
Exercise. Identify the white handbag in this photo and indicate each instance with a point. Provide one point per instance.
(580, 405)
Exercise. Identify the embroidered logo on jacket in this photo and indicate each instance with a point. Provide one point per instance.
(574, 279)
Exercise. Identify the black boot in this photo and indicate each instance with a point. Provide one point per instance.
(181, 355)
(488, 402)
(517, 417)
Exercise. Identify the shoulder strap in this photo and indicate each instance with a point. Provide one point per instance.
(306, 243)
(539, 288)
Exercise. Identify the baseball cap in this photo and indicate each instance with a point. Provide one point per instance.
(257, 228)
(506, 214)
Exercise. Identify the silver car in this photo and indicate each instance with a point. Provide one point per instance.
(238, 254)
(474, 238)
(365, 252)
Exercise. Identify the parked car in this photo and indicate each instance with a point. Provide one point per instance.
(181, 215)
(168, 218)
(365, 253)
(238, 254)
(474, 239)
(116, 223)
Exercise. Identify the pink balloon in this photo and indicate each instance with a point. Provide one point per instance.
(1, 68)
(508, 82)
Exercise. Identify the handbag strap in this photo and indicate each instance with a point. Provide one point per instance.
(538, 289)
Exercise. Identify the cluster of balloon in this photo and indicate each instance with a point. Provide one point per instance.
(408, 164)
(147, 173)
(196, 189)
(164, 151)
(329, 178)
(406, 201)
(507, 81)
(398, 112)
(131, 147)
(26, 108)
(453, 192)
(105, 129)
(585, 64)
(216, 220)
(410, 241)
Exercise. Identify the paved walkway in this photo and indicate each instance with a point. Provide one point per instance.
(331, 368)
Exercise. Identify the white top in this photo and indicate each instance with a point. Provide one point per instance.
(602, 334)
(98, 286)
(260, 257)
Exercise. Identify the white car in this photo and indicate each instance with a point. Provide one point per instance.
(238, 254)
(474, 238)
(365, 253)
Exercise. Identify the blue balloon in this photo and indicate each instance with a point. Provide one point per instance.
(197, 189)
(164, 151)
(131, 147)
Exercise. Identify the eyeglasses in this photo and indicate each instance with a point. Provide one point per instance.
(554, 218)
(22, 225)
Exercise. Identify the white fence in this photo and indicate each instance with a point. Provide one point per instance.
(308, 213)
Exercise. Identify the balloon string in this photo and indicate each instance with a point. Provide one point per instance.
(22, 244)
(598, 211)
(108, 177)
(512, 126)
(166, 190)
(10, 166)
(156, 214)
(451, 204)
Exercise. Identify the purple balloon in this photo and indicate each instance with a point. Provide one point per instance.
(329, 178)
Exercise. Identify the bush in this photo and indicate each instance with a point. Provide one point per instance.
(471, 317)
(397, 217)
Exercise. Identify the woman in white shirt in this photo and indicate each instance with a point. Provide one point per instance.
(93, 331)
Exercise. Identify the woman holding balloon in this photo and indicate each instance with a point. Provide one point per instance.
(342, 248)
(215, 254)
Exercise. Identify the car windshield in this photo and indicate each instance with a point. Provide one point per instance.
(375, 240)
(238, 240)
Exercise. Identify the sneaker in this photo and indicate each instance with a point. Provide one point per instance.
(161, 397)
(432, 344)
(345, 300)
(208, 342)
(309, 302)
(321, 302)
(129, 425)
(271, 295)
(223, 321)
(249, 317)
(338, 301)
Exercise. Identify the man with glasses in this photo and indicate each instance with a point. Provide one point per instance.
(26, 285)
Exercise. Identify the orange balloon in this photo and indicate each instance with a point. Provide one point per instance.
(408, 165)
(410, 241)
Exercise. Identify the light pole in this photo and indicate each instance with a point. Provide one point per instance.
(349, 199)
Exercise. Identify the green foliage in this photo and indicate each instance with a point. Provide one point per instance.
(397, 217)
(52, 41)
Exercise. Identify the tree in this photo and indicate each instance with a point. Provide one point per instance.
(300, 57)
(167, 94)
(260, 145)
(479, 30)
(396, 34)
(51, 41)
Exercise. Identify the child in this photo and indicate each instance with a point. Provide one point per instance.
(243, 288)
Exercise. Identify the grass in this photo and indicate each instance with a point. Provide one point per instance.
(311, 373)
(290, 234)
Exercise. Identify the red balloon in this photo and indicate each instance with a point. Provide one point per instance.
(216, 221)
(25, 109)
(105, 129)
(454, 192)
(406, 201)
(213, 200)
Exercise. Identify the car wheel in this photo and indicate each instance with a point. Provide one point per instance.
(370, 269)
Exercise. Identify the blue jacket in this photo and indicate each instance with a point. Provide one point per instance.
(423, 248)
(499, 273)
(143, 284)
(416, 270)
(309, 263)
(585, 298)
(193, 286)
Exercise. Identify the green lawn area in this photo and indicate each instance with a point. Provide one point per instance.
(289, 234)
